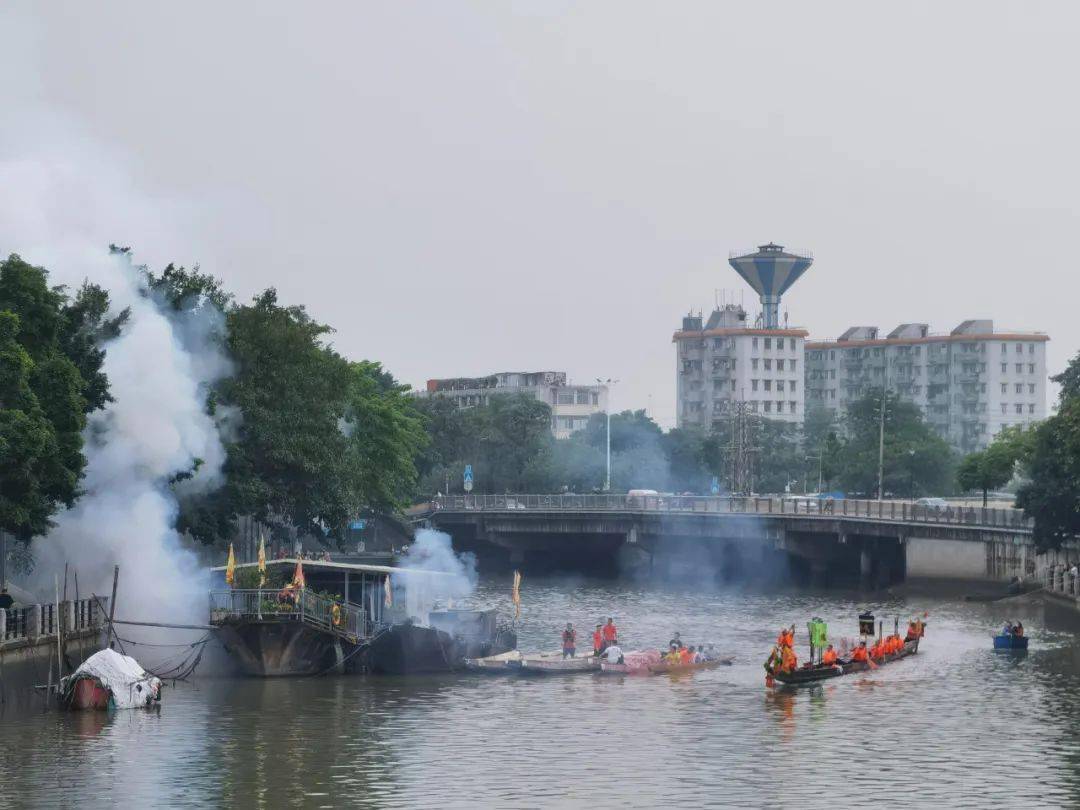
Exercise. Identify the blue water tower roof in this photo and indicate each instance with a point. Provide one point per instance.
(771, 270)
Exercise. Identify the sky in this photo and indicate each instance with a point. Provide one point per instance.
(460, 188)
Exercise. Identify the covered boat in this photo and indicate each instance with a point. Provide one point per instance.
(109, 680)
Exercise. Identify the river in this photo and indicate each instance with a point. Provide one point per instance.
(956, 725)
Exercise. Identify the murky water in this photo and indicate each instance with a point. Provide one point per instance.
(957, 725)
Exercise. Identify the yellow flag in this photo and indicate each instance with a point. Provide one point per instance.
(230, 567)
(262, 561)
(389, 600)
(516, 595)
(298, 580)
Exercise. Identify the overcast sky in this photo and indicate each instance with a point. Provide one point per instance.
(461, 188)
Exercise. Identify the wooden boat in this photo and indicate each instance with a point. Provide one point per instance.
(505, 663)
(1009, 642)
(813, 674)
(636, 662)
(665, 667)
(552, 665)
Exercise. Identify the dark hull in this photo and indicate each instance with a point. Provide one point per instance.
(408, 649)
(282, 649)
(822, 673)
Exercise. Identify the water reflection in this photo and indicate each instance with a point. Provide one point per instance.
(977, 728)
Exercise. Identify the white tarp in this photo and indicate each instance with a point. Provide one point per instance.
(132, 687)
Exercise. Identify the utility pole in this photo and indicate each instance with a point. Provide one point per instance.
(609, 384)
(741, 449)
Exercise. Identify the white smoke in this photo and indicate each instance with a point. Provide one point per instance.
(62, 200)
(437, 573)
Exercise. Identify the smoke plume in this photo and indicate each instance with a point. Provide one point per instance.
(62, 201)
(437, 572)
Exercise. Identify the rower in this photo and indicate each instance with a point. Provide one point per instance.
(569, 641)
(860, 652)
(828, 658)
(597, 640)
(611, 634)
(673, 652)
(1018, 631)
(788, 660)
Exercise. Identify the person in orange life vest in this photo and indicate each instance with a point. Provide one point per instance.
(877, 652)
(611, 634)
(828, 658)
(598, 641)
(788, 660)
(859, 653)
(569, 641)
(686, 655)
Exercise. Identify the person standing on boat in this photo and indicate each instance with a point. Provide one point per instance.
(675, 642)
(598, 640)
(569, 641)
(611, 633)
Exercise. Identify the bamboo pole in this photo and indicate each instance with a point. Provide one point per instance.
(112, 602)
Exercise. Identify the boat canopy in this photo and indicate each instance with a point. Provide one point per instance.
(323, 565)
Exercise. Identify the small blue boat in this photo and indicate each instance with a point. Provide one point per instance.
(1010, 642)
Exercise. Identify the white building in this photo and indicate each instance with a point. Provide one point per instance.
(969, 383)
(724, 361)
(571, 405)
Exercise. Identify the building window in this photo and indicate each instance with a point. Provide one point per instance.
(791, 365)
(1031, 407)
(1031, 368)
(768, 385)
(768, 364)
(1019, 388)
(1004, 348)
(566, 399)
(780, 406)
(832, 393)
(595, 398)
(753, 385)
(832, 354)
(582, 397)
(1019, 368)
(753, 363)
(791, 406)
(779, 364)
(1004, 388)
(1004, 408)
(1019, 349)
(1031, 388)
(753, 343)
(791, 344)
(768, 343)
(832, 373)
(1004, 368)
(791, 385)
(1019, 408)
(754, 405)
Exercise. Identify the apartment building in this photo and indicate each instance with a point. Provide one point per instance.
(724, 360)
(571, 405)
(969, 383)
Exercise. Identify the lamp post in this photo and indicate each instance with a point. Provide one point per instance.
(911, 473)
(817, 458)
(881, 429)
(609, 384)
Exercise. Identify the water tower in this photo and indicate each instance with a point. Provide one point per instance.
(771, 272)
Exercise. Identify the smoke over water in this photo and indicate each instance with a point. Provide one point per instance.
(61, 203)
(452, 576)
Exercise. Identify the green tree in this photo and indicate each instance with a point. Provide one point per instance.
(917, 460)
(1052, 496)
(993, 467)
(50, 379)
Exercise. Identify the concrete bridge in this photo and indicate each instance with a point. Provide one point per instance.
(872, 542)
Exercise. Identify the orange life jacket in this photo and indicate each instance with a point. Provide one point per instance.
(597, 640)
(828, 657)
(610, 633)
(858, 654)
(788, 660)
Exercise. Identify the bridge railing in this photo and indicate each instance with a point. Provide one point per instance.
(842, 507)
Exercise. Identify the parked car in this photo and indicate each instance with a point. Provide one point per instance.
(933, 504)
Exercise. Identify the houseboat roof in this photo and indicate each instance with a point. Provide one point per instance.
(317, 565)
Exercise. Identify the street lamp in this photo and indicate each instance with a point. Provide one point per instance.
(609, 384)
(911, 473)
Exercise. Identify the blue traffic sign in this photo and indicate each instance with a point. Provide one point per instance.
(468, 472)
(715, 486)
(358, 525)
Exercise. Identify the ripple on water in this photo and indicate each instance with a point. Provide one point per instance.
(957, 725)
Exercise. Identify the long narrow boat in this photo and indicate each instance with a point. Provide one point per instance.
(636, 662)
(552, 665)
(665, 667)
(505, 663)
(819, 672)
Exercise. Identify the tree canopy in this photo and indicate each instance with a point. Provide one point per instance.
(50, 378)
(1052, 495)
